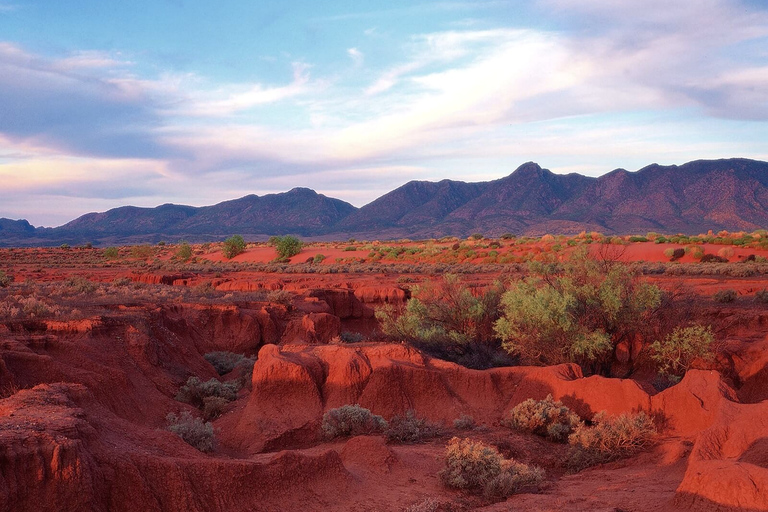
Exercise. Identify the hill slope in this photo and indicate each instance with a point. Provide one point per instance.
(705, 194)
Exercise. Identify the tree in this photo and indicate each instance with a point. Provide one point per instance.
(287, 246)
(233, 246)
(575, 312)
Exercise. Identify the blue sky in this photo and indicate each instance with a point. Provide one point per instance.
(107, 103)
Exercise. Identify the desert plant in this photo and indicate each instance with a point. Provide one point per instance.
(195, 391)
(351, 420)
(286, 246)
(283, 297)
(513, 478)
(675, 353)
(318, 258)
(142, 252)
(411, 429)
(712, 258)
(575, 312)
(547, 418)
(674, 254)
(475, 466)
(476, 236)
(351, 337)
(425, 505)
(5, 279)
(725, 252)
(111, 253)
(444, 313)
(762, 295)
(724, 296)
(80, 285)
(213, 407)
(233, 246)
(610, 438)
(192, 430)
(464, 422)
(184, 251)
(224, 362)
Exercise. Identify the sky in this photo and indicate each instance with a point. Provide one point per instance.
(105, 103)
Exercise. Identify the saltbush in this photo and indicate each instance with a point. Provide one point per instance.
(475, 466)
(464, 422)
(351, 420)
(192, 430)
(547, 418)
(184, 251)
(195, 391)
(761, 295)
(411, 429)
(5, 279)
(283, 297)
(224, 362)
(724, 296)
(111, 253)
(610, 438)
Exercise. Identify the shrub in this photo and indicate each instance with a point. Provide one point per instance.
(725, 252)
(464, 422)
(425, 505)
(142, 252)
(470, 464)
(318, 258)
(283, 297)
(674, 254)
(638, 239)
(225, 362)
(575, 312)
(195, 391)
(546, 418)
(476, 466)
(5, 279)
(680, 348)
(351, 420)
(610, 438)
(287, 246)
(233, 246)
(213, 406)
(712, 258)
(444, 313)
(507, 236)
(724, 296)
(761, 296)
(111, 253)
(476, 236)
(514, 477)
(351, 337)
(184, 251)
(410, 429)
(80, 285)
(192, 430)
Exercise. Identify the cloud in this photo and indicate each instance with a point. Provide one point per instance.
(356, 56)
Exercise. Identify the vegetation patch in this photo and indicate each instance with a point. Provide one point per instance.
(411, 429)
(192, 430)
(547, 418)
(224, 362)
(351, 420)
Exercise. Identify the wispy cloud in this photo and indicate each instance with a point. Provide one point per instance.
(356, 56)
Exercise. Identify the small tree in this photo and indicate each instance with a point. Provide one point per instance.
(184, 251)
(287, 246)
(233, 246)
(575, 312)
(5, 279)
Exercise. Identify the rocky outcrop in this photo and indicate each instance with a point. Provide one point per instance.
(312, 328)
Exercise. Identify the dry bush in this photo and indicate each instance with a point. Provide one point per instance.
(761, 296)
(280, 297)
(475, 466)
(610, 438)
(192, 430)
(411, 429)
(725, 252)
(425, 505)
(464, 422)
(724, 296)
(224, 362)
(351, 420)
(195, 391)
(5, 279)
(547, 418)
(213, 407)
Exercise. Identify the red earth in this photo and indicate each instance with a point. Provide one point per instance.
(86, 388)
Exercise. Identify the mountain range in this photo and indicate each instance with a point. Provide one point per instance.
(729, 194)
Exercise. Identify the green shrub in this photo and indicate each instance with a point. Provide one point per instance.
(575, 312)
(507, 236)
(318, 258)
(546, 418)
(681, 347)
(111, 253)
(350, 248)
(195, 391)
(80, 285)
(287, 246)
(724, 296)
(610, 438)
(192, 430)
(5, 279)
(446, 312)
(476, 236)
(184, 251)
(225, 362)
(475, 466)
(410, 429)
(233, 246)
(142, 252)
(638, 239)
(351, 420)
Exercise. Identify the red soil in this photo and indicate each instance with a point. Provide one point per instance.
(83, 414)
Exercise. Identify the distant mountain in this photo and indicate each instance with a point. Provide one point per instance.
(695, 197)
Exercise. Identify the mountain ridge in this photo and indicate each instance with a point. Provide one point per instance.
(690, 198)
